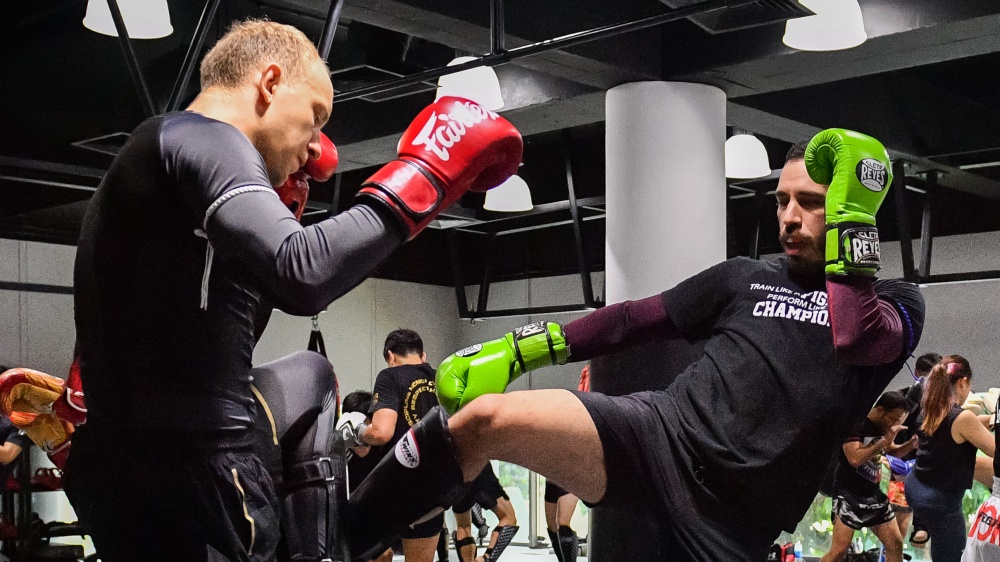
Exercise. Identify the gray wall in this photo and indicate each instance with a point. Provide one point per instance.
(961, 317)
(355, 326)
(549, 291)
(36, 329)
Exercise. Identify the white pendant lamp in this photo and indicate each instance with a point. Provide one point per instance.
(836, 25)
(144, 19)
(746, 157)
(511, 196)
(478, 84)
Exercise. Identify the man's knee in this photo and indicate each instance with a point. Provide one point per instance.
(486, 429)
(482, 416)
(892, 542)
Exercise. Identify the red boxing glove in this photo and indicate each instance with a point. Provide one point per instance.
(27, 397)
(322, 168)
(71, 406)
(453, 145)
(294, 193)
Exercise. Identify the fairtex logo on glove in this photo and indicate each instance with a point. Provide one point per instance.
(439, 138)
(407, 452)
(872, 174)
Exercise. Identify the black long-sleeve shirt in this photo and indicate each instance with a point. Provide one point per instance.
(183, 250)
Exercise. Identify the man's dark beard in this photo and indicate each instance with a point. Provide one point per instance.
(801, 266)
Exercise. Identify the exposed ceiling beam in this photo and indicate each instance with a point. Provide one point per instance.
(902, 40)
(472, 38)
(792, 131)
(901, 37)
(551, 115)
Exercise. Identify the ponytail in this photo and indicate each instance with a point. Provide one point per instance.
(940, 391)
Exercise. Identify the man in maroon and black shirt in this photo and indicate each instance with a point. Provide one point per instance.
(733, 451)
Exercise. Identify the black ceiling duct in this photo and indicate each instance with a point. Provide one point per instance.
(373, 55)
(755, 14)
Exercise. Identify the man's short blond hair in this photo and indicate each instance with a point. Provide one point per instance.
(250, 44)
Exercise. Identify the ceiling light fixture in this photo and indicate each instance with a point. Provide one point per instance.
(836, 25)
(144, 19)
(746, 157)
(511, 196)
(478, 84)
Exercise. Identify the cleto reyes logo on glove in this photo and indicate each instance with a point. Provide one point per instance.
(864, 247)
(872, 174)
(442, 131)
(469, 351)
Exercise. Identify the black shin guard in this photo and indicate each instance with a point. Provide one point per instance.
(417, 480)
(505, 534)
(556, 547)
(460, 544)
(569, 544)
(442, 548)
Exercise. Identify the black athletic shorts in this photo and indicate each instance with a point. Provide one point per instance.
(859, 512)
(553, 492)
(484, 490)
(430, 528)
(172, 505)
(650, 474)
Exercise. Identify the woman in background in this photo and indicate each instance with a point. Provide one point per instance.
(946, 457)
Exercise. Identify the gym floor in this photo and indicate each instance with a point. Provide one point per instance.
(511, 554)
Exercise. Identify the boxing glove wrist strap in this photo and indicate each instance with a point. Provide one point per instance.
(539, 344)
(852, 249)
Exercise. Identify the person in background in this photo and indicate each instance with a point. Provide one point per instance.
(858, 501)
(560, 504)
(486, 492)
(897, 494)
(404, 393)
(14, 441)
(364, 457)
(946, 457)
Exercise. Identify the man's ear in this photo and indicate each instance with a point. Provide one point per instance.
(423, 356)
(270, 77)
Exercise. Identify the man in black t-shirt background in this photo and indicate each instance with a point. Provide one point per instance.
(404, 392)
(858, 501)
(486, 492)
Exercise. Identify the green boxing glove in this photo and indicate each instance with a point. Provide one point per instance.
(858, 171)
(487, 368)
